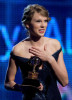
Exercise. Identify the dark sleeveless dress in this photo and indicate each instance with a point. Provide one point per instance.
(46, 76)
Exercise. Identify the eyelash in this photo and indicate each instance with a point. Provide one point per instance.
(40, 21)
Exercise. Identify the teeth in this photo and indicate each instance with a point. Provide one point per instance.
(41, 30)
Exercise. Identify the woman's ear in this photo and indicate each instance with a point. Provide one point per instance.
(27, 26)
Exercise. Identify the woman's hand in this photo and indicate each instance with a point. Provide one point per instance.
(41, 53)
(40, 87)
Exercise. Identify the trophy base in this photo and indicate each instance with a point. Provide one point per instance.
(31, 82)
(27, 89)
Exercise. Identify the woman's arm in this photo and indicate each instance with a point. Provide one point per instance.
(10, 75)
(59, 66)
(10, 84)
(60, 69)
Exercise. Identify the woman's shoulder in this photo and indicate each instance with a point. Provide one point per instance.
(54, 42)
(20, 47)
(16, 48)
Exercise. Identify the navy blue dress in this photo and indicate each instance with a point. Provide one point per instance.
(46, 76)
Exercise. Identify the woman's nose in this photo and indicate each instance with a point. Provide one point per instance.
(42, 24)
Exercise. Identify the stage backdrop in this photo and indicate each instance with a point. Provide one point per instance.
(12, 32)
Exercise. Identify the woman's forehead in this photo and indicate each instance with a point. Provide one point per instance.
(38, 16)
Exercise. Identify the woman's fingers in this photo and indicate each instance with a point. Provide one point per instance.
(36, 48)
(34, 51)
(40, 87)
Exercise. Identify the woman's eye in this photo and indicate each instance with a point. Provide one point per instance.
(46, 20)
(38, 21)
(41, 21)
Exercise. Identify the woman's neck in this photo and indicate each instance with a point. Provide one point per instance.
(37, 41)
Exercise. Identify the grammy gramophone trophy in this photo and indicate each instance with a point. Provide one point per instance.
(32, 78)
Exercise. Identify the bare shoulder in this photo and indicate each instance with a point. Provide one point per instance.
(53, 42)
(56, 43)
(18, 48)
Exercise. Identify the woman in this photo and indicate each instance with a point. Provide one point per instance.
(35, 19)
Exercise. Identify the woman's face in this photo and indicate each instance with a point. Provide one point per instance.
(38, 25)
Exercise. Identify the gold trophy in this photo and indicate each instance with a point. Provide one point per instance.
(32, 79)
